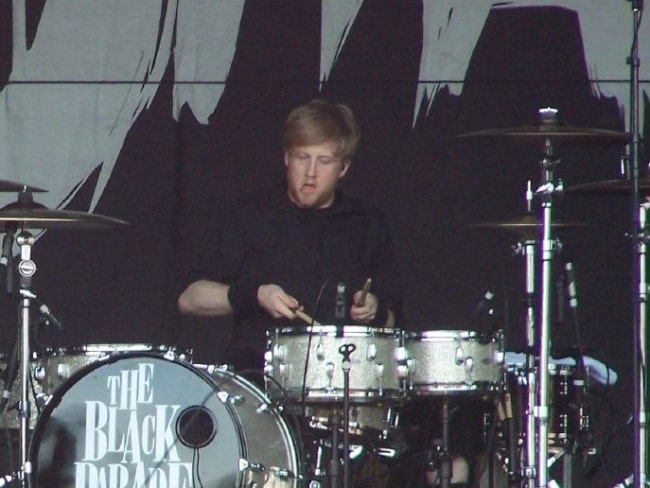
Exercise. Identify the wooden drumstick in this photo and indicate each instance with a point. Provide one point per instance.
(302, 315)
(364, 293)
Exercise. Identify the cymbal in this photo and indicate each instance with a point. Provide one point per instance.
(618, 187)
(564, 134)
(528, 225)
(11, 186)
(37, 216)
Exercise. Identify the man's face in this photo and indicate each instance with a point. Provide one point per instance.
(312, 174)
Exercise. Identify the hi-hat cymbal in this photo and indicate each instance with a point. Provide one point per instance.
(618, 187)
(528, 225)
(12, 186)
(563, 134)
(37, 216)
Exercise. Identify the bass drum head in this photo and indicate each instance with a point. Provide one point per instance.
(269, 441)
(136, 420)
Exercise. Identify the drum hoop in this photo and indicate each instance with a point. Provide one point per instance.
(451, 335)
(352, 330)
(106, 347)
(84, 370)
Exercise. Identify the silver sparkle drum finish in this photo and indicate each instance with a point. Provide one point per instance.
(306, 364)
(454, 361)
(148, 419)
(52, 366)
(270, 443)
(371, 422)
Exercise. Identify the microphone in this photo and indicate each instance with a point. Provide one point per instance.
(339, 303)
(484, 304)
(48, 317)
(571, 284)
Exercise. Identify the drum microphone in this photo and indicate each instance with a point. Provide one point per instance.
(48, 317)
(339, 303)
(484, 304)
(571, 285)
(484, 314)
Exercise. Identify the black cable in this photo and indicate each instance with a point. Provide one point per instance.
(310, 330)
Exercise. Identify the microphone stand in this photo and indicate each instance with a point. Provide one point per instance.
(346, 350)
(335, 463)
(639, 284)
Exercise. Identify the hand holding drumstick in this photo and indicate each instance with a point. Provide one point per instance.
(365, 304)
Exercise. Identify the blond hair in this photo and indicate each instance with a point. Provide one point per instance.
(320, 121)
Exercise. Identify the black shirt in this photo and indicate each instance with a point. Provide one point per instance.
(266, 239)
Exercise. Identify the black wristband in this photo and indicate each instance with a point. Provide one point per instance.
(242, 295)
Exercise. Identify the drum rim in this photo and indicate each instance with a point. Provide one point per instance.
(329, 330)
(110, 347)
(451, 334)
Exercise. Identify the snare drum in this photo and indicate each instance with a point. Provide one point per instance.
(307, 362)
(454, 361)
(147, 419)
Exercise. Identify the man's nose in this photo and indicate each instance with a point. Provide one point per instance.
(310, 170)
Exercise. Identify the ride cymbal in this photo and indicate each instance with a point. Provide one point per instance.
(37, 216)
(549, 127)
(528, 225)
(563, 134)
(619, 187)
(12, 186)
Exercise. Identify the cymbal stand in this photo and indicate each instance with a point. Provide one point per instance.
(639, 284)
(527, 247)
(546, 192)
(640, 365)
(26, 269)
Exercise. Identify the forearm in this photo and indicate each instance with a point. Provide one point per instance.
(205, 298)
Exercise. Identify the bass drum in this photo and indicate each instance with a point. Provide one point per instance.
(150, 420)
(268, 439)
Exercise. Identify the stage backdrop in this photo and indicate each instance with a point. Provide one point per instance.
(158, 112)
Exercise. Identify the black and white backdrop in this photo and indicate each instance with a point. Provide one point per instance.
(158, 112)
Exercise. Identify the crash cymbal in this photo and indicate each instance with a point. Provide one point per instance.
(528, 225)
(618, 187)
(11, 186)
(37, 216)
(563, 134)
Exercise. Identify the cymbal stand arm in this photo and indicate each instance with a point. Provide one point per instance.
(26, 269)
(545, 192)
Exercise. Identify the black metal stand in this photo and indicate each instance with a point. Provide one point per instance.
(639, 284)
(335, 419)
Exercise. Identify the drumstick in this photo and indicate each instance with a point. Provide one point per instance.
(302, 315)
(364, 293)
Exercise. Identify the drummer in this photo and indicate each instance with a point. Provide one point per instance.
(300, 251)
